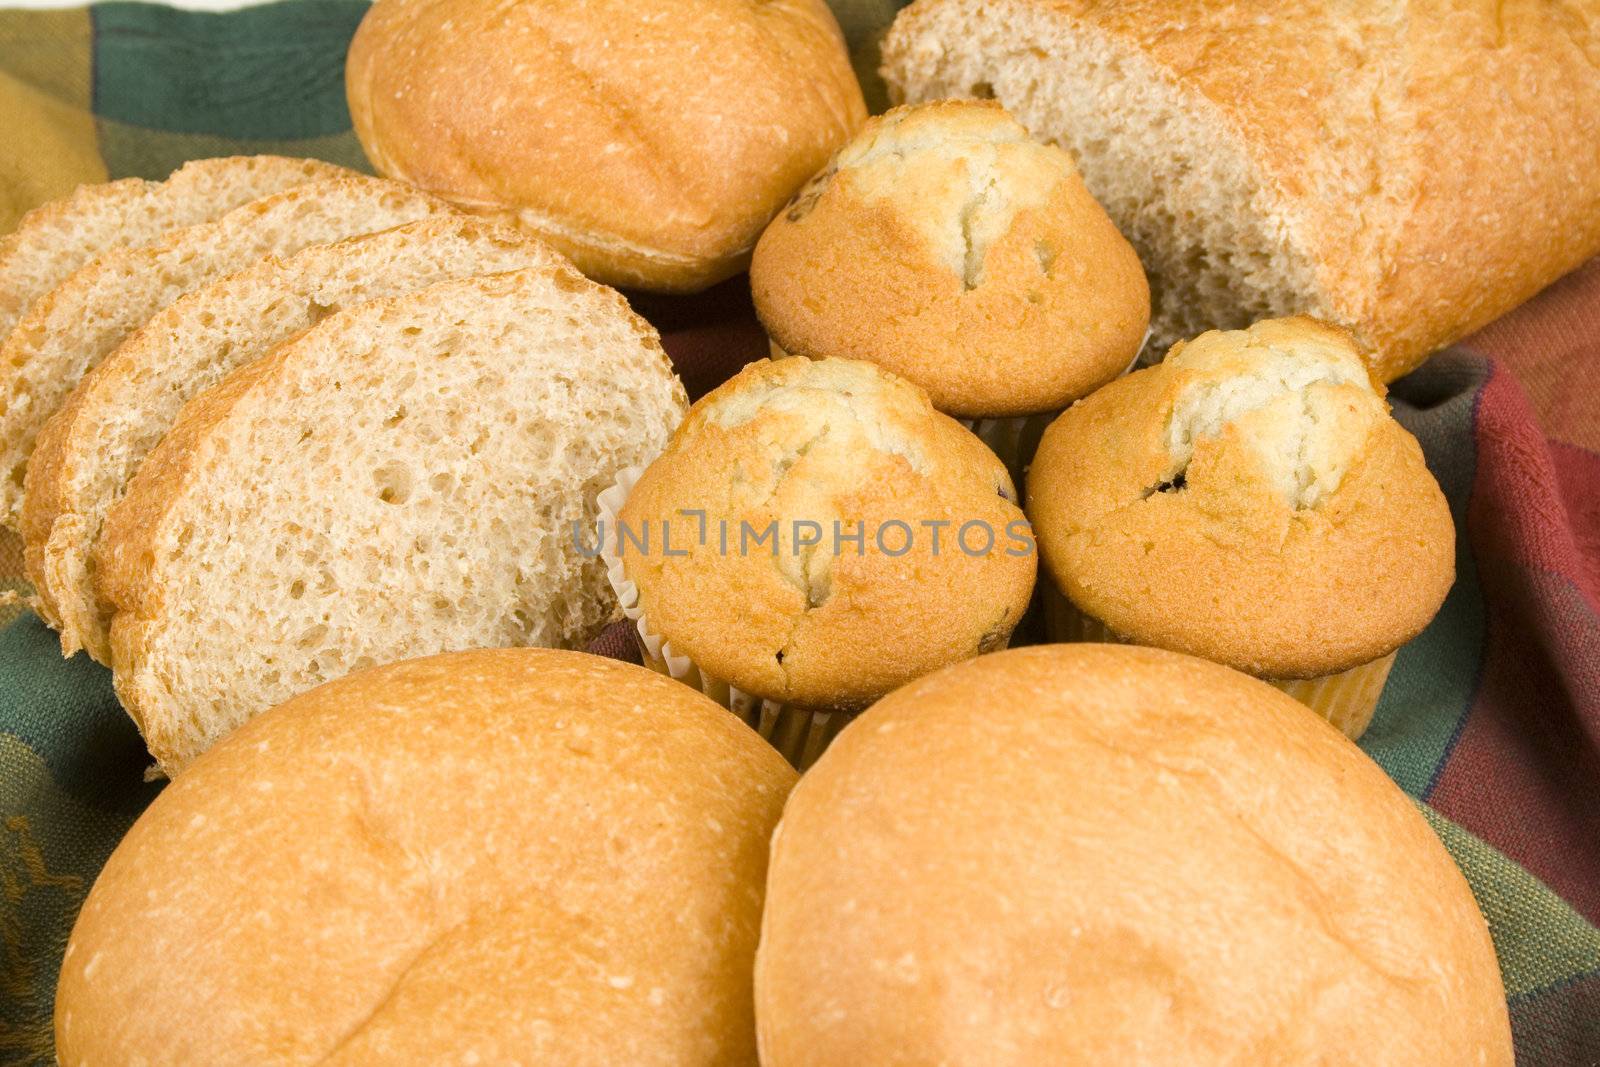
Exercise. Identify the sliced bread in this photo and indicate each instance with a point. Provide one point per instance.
(57, 238)
(403, 478)
(89, 449)
(69, 329)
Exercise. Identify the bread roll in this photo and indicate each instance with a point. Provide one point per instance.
(1251, 501)
(57, 238)
(649, 140)
(409, 476)
(88, 451)
(1409, 170)
(806, 616)
(487, 857)
(944, 245)
(1092, 855)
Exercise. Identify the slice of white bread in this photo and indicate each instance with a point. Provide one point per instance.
(89, 449)
(57, 238)
(70, 329)
(402, 479)
(1407, 170)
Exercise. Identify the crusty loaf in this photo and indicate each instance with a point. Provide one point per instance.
(497, 857)
(1408, 170)
(401, 479)
(1103, 856)
(57, 238)
(650, 140)
(89, 449)
(72, 327)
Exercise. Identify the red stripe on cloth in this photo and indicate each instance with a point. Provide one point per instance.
(1524, 772)
(617, 641)
(1552, 346)
(1533, 505)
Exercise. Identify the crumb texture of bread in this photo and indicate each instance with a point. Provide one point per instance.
(946, 245)
(1409, 171)
(57, 238)
(649, 140)
(1251, 501)
(813, 452)
(88, 451)
(1088, 855)
(72, 327)
(496, 857)
(411, 475)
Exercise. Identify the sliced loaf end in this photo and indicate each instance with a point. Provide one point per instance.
(88, 451)
(401, 479)
(71, 328)
(57, 238)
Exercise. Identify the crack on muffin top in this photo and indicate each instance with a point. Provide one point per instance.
(958, 173)
(1302, 410)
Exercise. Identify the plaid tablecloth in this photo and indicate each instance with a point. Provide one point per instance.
(1491, 719)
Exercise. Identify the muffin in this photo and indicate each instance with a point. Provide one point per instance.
(496, 856)
(814, 535)
(1093, 855)
(1251, 501)
(943, 244)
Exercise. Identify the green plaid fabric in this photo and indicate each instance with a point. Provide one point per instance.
(122, 89)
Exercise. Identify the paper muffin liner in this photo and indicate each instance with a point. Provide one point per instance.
(1346, 699)
(799, 734)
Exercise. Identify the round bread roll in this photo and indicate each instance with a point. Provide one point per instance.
(1249, 500)
(944, 244)
(818, 452)
(649, 140)
(512, 856)
(1098, 854)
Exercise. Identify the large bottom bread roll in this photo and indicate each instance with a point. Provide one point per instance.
(493, 857)
(402, 479)
(1097, 855)
(1409, 170)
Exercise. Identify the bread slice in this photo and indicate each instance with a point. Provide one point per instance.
(57, 238)
(402, 479)
(1409, 171)
(89, 449)
(69, 329)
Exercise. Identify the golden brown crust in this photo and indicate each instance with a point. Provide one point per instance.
(1092, 854)
(516, 853)
(1220, 564)
(650, 142)
(826, 441)
(1036, 301)
(1436, 163)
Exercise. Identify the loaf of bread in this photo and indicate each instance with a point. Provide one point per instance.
(57, 238)
(72, 327)
(411, 475)
(1409, 171)
(649, 140)
(492, 857)
(89, 449)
